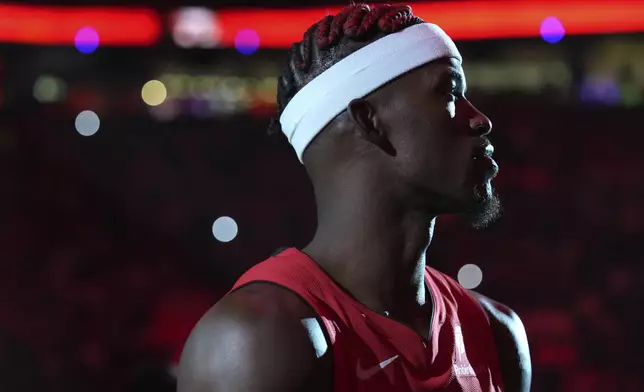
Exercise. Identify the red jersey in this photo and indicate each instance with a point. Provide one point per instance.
(373, 353)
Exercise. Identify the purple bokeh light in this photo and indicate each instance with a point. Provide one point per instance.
(552, 30)
(247, 41)
(600, 90)
(86, 40)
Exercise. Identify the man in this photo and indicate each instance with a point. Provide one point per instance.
(373, 102)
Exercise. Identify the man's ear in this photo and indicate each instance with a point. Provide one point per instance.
(369, 127)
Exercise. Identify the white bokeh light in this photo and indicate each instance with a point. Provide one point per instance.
(87, 123)
(196, 27)
(225, 229)
(470, 276)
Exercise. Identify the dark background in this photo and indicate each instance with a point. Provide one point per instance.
(107, 257)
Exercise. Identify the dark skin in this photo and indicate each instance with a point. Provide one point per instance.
(382, 172)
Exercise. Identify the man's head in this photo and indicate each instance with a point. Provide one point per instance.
(417, 136)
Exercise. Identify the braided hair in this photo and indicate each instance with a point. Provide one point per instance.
(332, 39)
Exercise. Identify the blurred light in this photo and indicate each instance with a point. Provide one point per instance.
(462, 20)
(470, 276)
(195, 27)
(86, 40)
(224, 107)
(206, 85)
(229, 89)
(601, 90)
(174, 84)
(632, 95)
(56, 25)
(552, 31)
(247, 41)
(267, 90)
(225, 229)
(87, 123)
(167, 111)
(49, 89)
(200, 108)
(154, 93)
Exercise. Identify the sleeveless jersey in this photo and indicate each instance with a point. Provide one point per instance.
(374, 353)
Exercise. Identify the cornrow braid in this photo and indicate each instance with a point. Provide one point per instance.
(370, 21)
(354, 20)
(303, 57)
(332, 39)
(395, 18)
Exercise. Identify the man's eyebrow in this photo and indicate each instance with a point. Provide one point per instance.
(451, 74)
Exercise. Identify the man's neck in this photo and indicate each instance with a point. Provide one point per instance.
(376, 254)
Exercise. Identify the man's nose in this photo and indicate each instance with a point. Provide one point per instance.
(480, 123)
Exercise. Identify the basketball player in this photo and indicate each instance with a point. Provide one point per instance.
(373, 102)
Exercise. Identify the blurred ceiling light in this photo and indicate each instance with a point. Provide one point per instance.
(154, 93)
(86, 40)
(49, 89)
(552, 31)
(167, 111)
(200, 108)
(87, 123)
(195, 27)
(247, 41)
(462, 20)
(600, 90)
(58, 25)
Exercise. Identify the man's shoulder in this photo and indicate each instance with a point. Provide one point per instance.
(498, 310)
(512, 343)
(254, 335)
(253, 309)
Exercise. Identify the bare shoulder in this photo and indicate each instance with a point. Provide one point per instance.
(512, 343)
(252, 340)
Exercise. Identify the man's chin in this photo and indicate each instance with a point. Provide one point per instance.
(485, 207)
(480, 207)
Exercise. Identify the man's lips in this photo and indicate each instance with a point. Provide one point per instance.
(484, 162)
(485, 150)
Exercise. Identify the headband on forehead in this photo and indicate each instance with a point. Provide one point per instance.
(359, 74)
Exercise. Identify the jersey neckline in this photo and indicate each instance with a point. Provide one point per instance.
(429, 287)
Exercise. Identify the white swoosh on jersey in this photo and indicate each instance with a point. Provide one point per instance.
(365, 374)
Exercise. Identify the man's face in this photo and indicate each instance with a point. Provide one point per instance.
(440, 142)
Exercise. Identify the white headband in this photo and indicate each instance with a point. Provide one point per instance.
(357, 75)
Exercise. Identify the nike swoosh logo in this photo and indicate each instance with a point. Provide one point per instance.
(365, 374)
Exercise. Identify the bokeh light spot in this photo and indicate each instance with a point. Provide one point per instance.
(49, 89)
(167, 111)
(247, 41)
(600, 90)
(470, 276)
(225, 229)
(196, 27)
(552, 30)
(154, 93)
(87, 123)
(86, 40)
